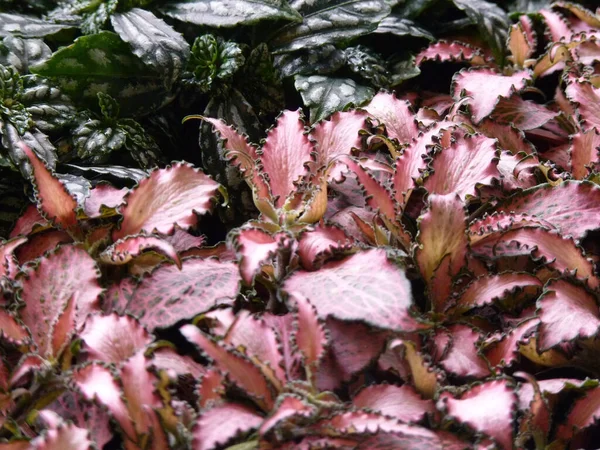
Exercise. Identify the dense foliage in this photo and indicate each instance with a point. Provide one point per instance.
(407, 257)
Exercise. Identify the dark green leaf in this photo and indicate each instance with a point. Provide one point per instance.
(364, 62)
(261, 82)
(94, 140)
(519, 7)
(414, 8)
(317, 61)
(326, 95)
(34, 139)
(491, 20)
(141, 145)
(108, 106)
(91, 16)
(104, 63)
(78, 187)
(402, 69)
(330, 21)
(124, 173)
(27, 26)
(227, 13)
(213, 59)
(22, 53)
(12, 200)
(48, 107)
(18, 116)
(398, 26)
(154, 42)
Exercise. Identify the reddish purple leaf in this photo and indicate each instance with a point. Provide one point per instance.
(488, 289)
(118, 295)
(470, 161)
(212, 389)
(168, 197)
(442, 245)
(124, 250)
(255, 248)
(587, 97)
(503, 350)
(239, 369)
(381, 298)
(435, 440)
(264, 352)
(362, 422)
(523, 114)
(113, 338)
(97, 382)
(573, 207)
(310, 335)
(401, 402)
(520, 45)
(65, 436)
(169, 294)
(54, 201)
(566, 312)
(284, 155)
(218, 425)
(31, 220)
(238, 149)
(557, 25)
(487, 407)
(166, 358)
(8, 265)
(443, 51)
(51, 284)
(315, 245)
(585, 413)
(462, 357)
(337, 136)
(103, 196)
(288, 407)
(40, 243)
(182, 240)
(396, 115)
(509, 138)
(584, 153)
(485, 87)
(10, 329)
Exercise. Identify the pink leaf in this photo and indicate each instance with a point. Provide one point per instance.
(65, 436)
(503, 351)
(443, 51)
(212, 389)
(103, 196)
(362, 422)
(218, 425)
(435, 440)
(11, 330)
(486, 407)
(488, 289)
(462, 358)
(168, 197)
(317, 244)
(256, 248)
(264, 352)
(584, 153)
(523, 114)
(51, 284)
(169, 294)
(557, 25)
(442, 244)
(284, 155)
(587, 97)
(167, 359)
(113, 338)
(521, 48)
(469, 162)
(124, 250)
(396, 115)
(573, 207)
(97, 382)
(509, 138)
(485, 87)
(8, 265)
(237, 146)
(54, 201)
(182, 240)
(401, 402)
(118, 295)
(290, 406)
(381, 298)
(65, 327)
(566, 312)
(31, 220)
(585, 413)
(40, 243)
(310, 336)
(337, 136)
(240, 370)
(72, 407)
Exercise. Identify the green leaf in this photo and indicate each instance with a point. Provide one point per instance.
(22, 53)
(228, 13)
(12, 200)
(491, 20)
(34, 139)
(142, 147)
(49, 108)
(119, 172)
(402, 69)
(154, 42)
(369, 65)
(27, 26)
(104, 63)
(414, 8)
(213, 59)
(91, 16)
(108, 105)
(316, 61)
(261, 83)
(94, 140)
(399, 26)
(330, 21)
(326, 95)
